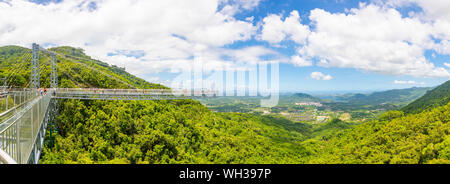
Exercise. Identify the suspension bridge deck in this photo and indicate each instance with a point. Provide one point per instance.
(128, 94)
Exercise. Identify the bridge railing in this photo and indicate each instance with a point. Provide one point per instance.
(113, 91)
(21, 134)
(11, 100)
(130, 92)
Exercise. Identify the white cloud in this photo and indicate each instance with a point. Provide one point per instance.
(320, 76)
(231, 7)
(300, 61)
(276, 30)
(408, 82)
(443, 47)
(157, 80)
(447, 65)
(373, 39)
(432, 9)
(435, 13)
(248, 54)
(247, 4)
(170, 33)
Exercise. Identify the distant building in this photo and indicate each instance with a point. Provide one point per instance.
(317, 104)
(322, 118)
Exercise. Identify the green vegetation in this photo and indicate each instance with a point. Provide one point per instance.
(298, 97)
(82, 72)
(181, 131)
(383, 100)
(185, 131)
(394, 97)
(411, 139)
(434, 98)
(325, 130)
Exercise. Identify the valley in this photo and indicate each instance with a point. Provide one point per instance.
(302, 107)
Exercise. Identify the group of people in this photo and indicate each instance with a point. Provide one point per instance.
(43, 91)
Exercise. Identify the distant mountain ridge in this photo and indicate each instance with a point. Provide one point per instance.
(297, 97)
(305, 96)
(394, 96)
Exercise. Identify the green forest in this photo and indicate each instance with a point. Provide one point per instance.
(186, 131)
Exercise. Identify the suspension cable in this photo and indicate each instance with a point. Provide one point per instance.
(21, 66)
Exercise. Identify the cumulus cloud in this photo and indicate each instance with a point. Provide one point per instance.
(244, 4)
(443, 47)
(249, 55)
(232, 7)
(300, 61)
(433, 12)
(320, 76)
(447, 65)
(157, 80)
(373, 39)
(408, 82)
(275, 30)
(168, 34)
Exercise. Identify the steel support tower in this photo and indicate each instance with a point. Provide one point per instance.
(35, 83)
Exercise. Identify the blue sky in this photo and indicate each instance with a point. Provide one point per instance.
(345, 79)
(322, 45)
(296, 79)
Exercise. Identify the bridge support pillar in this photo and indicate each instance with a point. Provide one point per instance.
(35, 83)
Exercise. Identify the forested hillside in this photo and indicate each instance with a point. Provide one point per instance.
(393, 139)
(185, 131)
(181, 131)
(390, 99)
(74, 71)
(395, 96)
(434, 98)
(303, 97)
